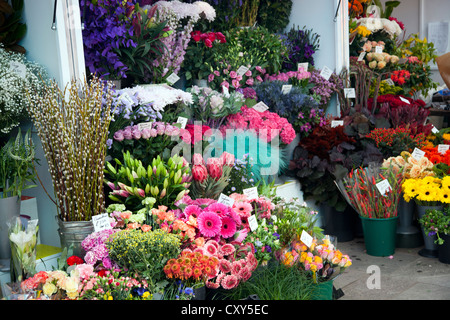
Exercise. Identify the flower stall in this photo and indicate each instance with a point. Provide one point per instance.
(165, 160)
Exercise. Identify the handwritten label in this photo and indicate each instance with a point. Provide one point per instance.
(337, 123)
(242, 70)
(101, 222)
(125, 98)
(442, 148)
(306, 238)
(405, 100)
(303, 65)
(144, 125)
(260, 107)
(183, 121)
(172, 79)
(326, 73)
(252, 222)
(361, 56)
(384, 187)
(417, 154)
(19, 68)
(379, 49)
(349, 92)
(251, 193)
(434, 130)
(226, 200)
(285, 89)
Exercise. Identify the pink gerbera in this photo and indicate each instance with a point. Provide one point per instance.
(203, 202)
(236, 267)
(229, 282)
(225, 266)
(192, 210)
(235, 217)
(210, 249)
(219, 208)
(243, 209)
(209, 223)
(228, 227)
(227, 249)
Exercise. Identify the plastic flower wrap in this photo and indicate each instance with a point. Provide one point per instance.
(23, 248)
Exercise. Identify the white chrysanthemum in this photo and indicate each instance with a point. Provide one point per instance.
(372, 24)
(206, 9)
(391, 27)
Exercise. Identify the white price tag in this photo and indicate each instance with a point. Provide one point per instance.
(251, 193)
(303, 65)
(349, 92)
(252, 222)
(405, 100)
(226, 200)
(326, 73)
(442, 148)
(183, 121)
(260, 106)
(384, 187)
(18, 68)
(389, 82)
(434, 130)
(417, 154)
(143, 125)
(225, 91)
(306, 238)
(101, 222)
(378, 49)
(242, 70)
(285, 89)
(172, 79)
(361, 56)
(337, 123)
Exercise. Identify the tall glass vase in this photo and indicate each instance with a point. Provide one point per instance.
(430, 249)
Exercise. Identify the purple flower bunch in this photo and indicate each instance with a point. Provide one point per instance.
(97, 254)
(107, 28)
(323, 88)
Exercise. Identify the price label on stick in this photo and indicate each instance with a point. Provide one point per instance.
(226, 200)
(337, 123)
(242, 70)
(417, 154)
(143, 125)
(260, 107)
(378, 49)
(285, 89)
(349, 92)
(405, 100)
(306, 238)
(361, 56)
(101, 222)
(183, 121)
(172, 79)
(303, 65)
(251, 193)
(442, 148)
(326, 73)
(384, 187)
(434, 130)
(252, 222)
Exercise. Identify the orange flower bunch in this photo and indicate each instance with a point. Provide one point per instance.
(192, 267)
(435, 156)
(168, 222)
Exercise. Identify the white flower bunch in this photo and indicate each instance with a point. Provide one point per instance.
(17, 74)
(391, 27)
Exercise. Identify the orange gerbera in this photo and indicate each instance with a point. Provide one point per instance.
(354, 6)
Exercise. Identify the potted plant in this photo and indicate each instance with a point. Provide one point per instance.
(374, 192)
(436, 223)
(73, 128)
(16, 172)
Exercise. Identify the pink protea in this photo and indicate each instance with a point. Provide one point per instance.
(227, 159)
(215, 167)
(228, 227)
(197, 159)
(199, 173)
(229, 282)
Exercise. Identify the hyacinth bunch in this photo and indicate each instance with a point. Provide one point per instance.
(73, 128)
(164, 181)
(210, 178)
(180, 21)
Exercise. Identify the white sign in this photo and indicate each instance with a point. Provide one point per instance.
(417, 154)
(337, 123)
(143, 125)
(306, 238)
(252, 222)
(442, 148)
(260, 106)
(405, 100)
(378, 49)
(434, 130)
(326, 73)
(349, 92)
(242, 70)
(285, 89)
(384, 187)
(361, 56)
(303, 65)
(226, 200)
(19, 68)
(225, 91)
(251, 193)
(183, 121)
(172, 79)
(101, 222)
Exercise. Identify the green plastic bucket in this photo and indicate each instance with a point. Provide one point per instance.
(379, 236)
(323, 291)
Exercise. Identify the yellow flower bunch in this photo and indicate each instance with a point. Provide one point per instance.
(361, 30)
(427, 191)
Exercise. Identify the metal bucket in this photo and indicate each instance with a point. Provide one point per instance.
(72, 234)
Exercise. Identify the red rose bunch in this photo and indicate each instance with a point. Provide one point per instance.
(208, 38)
